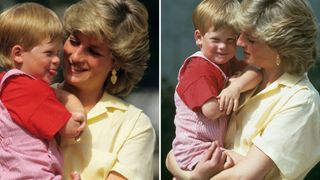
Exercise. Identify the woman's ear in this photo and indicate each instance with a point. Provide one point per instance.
(198, 38)
(16, 54)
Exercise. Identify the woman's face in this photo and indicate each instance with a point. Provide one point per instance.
(256, 51)
(87, 62)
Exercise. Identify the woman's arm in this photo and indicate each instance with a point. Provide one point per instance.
(213, 161)
(115, 176)
(174, 169)
(253, 166)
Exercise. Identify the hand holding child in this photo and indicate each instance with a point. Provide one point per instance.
(213, 161)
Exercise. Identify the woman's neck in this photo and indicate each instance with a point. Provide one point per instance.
(88, 97)
(269, 76)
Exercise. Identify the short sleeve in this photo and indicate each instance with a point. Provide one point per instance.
(199, 82)
(136, 156)
(290, 139)
(200, 91)
(49, 117)
(33, 105)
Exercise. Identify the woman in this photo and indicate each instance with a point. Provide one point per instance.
(105, 55)
(276, 130)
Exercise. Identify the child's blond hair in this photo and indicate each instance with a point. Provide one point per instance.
(26, 24)
(214, 13)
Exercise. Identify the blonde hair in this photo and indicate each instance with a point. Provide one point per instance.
(26, 24)
(124, 25)
(214, 13)
(288, 26)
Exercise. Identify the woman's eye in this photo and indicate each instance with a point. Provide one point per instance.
(94, 53)
(73, 42)
(251, 41)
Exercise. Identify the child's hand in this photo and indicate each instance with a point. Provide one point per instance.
(82, 119)
(211, 163)
(74, 126)
(229, 98)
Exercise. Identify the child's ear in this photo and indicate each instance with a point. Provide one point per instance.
(16, 54)
(198, 38)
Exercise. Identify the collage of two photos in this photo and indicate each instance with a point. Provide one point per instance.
(139, 90)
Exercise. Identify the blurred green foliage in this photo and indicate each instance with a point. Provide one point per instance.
(167, 126)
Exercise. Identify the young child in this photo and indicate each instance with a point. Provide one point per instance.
(201, 113)
(31, 36)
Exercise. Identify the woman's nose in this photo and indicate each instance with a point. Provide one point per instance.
(240, 41)
(77, 55)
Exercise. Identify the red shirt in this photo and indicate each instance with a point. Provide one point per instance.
(33, 105)
(200, 80)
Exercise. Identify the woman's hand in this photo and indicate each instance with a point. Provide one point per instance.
(213, 161)
(235, 157)
(75, 176)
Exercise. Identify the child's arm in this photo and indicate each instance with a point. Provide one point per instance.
(211, 110)
(228, 98)
(76, 124)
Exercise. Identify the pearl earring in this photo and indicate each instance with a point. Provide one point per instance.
(278, 61)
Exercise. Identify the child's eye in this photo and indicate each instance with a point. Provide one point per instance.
(215, 40)
(49, 53)
(231, 41)
(52, 53)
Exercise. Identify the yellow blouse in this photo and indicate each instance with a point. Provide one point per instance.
(119, 137)
(283, 121)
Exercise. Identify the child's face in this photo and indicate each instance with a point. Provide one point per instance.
(42, 61)
(218, 46)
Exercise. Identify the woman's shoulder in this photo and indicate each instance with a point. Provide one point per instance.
(308, 88)
(117, 102)
(304, 92)
(131, 113)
